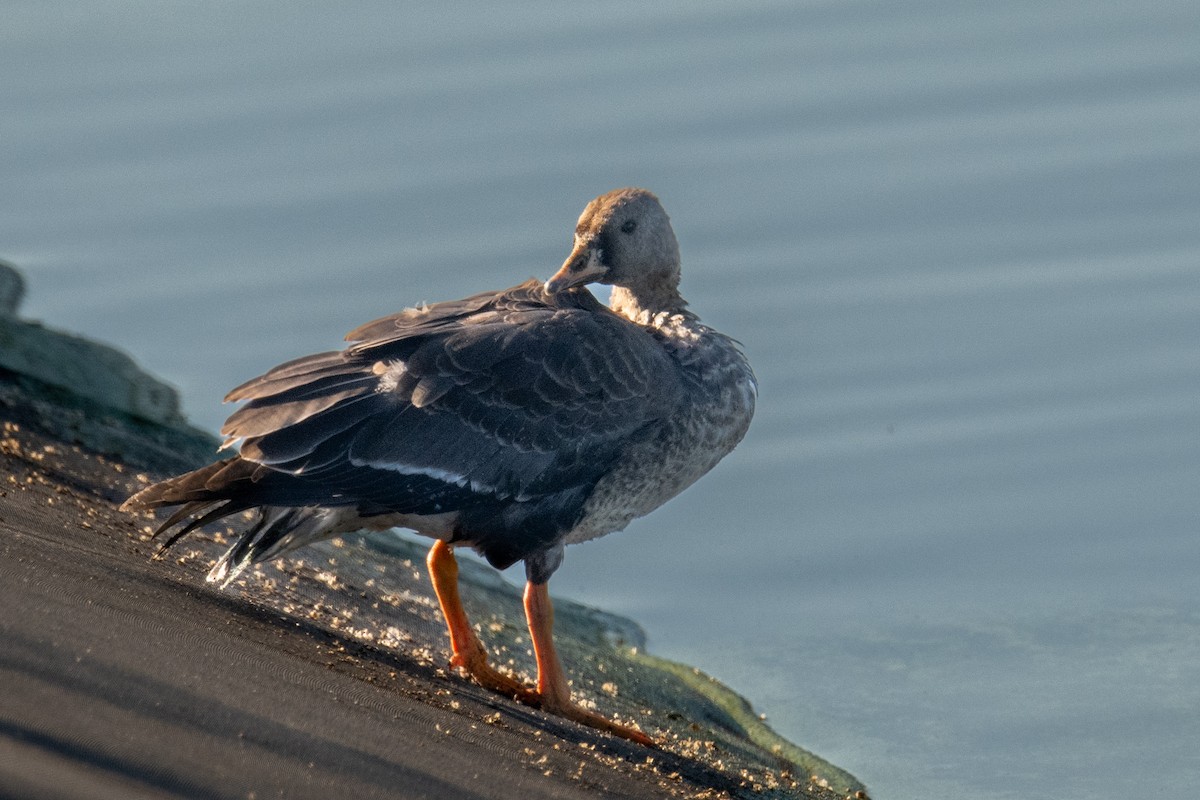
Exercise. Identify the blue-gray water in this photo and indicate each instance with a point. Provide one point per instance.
(958, 552)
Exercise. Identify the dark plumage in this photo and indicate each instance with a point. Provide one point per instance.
(512, 421)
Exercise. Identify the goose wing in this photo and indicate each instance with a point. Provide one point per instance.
(502, 396)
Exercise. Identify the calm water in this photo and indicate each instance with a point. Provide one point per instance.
(957, 554)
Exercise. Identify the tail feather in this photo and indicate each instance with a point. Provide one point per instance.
(207, 484)
(228, 487)
(182, 513)
(278, 531)
(223, 510)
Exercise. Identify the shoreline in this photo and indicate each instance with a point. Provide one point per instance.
(314, 676)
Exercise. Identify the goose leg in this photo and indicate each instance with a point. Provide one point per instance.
(468, 652)
(554, 692)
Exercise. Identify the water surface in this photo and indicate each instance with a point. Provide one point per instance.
(957, 553)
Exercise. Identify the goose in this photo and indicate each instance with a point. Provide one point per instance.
(514, 422)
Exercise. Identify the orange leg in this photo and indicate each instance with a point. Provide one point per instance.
(553, 690)
(468, 652)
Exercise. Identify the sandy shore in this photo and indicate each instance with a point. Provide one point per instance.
(127, 677)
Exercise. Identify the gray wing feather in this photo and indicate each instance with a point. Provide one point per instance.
(509, 393)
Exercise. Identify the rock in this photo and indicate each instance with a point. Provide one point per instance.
(85, 368)
(12, 289)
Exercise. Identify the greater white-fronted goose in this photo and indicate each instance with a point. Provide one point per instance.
(515, 422)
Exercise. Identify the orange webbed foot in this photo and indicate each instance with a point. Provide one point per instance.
(474, 663)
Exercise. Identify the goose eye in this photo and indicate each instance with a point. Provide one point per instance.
(629, 226)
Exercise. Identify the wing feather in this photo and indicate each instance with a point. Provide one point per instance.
(508, 394)
(291, 374)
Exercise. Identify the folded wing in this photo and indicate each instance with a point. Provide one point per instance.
(505, 396)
